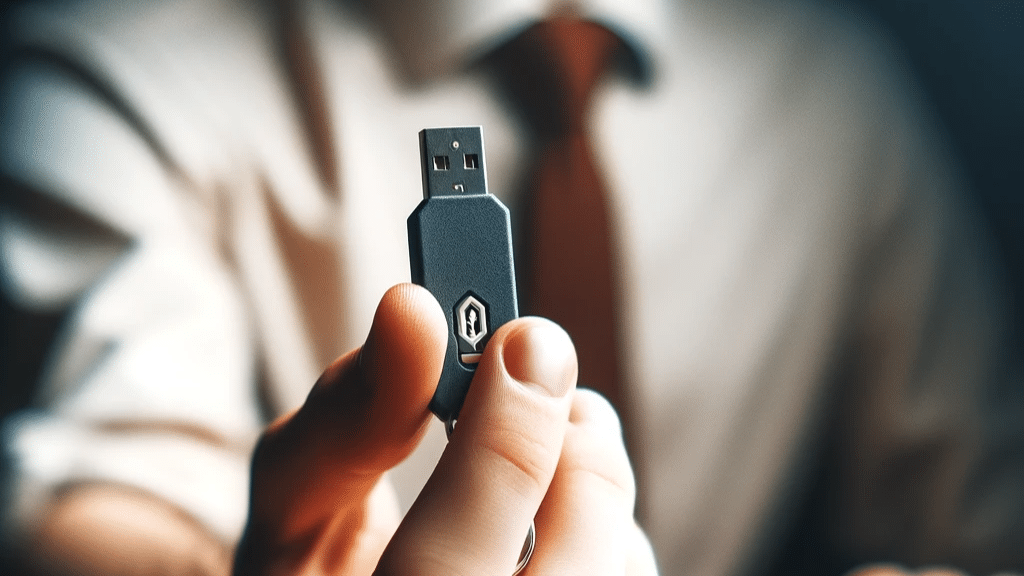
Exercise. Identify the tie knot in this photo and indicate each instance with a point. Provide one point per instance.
(551, 69)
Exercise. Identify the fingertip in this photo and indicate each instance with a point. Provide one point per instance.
(404, 351)
(407, 295)
(409, 314)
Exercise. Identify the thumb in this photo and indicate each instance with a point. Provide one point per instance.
(365, 414)
(476, 508)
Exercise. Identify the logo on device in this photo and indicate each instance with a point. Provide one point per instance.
(471, 327)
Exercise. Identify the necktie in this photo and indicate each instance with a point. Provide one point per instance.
(549, 72)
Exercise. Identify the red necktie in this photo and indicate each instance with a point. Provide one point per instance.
(550, 72)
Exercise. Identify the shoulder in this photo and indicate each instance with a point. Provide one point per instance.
(183, 71)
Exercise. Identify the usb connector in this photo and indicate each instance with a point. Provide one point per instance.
(452, 160)
(460, 248)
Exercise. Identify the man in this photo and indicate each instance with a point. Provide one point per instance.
(793, 261)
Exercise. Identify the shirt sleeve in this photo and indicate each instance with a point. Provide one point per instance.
(150, 384)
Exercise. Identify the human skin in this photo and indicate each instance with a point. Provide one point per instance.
(528, 445)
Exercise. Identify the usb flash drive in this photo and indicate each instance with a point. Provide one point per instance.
(460, 248)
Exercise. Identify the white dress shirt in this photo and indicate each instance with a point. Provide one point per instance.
(795, 261)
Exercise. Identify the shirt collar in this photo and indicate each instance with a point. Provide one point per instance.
(434, 39)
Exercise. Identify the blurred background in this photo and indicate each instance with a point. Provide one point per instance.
(966, 55)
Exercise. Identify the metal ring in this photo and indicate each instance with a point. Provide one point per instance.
(527, 553)
(449, 427)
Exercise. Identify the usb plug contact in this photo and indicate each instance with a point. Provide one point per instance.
(452, 161)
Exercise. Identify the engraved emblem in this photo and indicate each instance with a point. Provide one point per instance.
(471, 327)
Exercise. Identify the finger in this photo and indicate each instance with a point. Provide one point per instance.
(474, 512)
(364, 415)
(585, 524)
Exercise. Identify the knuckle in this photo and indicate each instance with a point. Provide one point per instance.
(524, 461)
(611, 477)
(610, 481)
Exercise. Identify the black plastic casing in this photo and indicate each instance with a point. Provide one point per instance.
(460, 249)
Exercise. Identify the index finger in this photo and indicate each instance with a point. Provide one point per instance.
(365, 414)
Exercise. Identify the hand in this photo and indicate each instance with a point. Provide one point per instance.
(527, 444)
